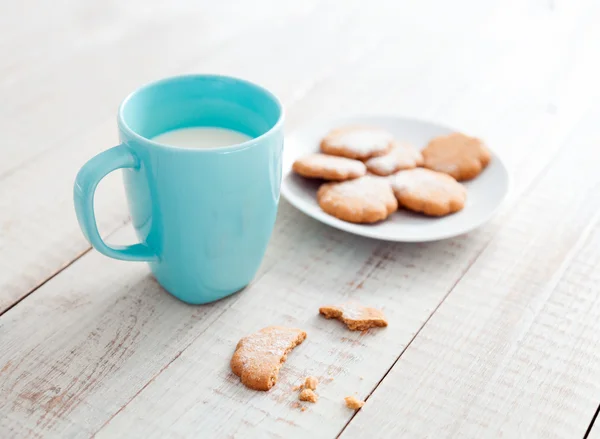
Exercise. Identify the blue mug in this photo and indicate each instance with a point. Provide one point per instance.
(204, 216)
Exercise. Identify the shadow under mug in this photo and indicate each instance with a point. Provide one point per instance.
(203, 216)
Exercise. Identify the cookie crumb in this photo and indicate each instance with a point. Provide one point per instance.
(353, 403)
(355, 316)
(308, 395)
(311, 383)
(330, 378)
(303, 409)
(296, 405)
(298, 387)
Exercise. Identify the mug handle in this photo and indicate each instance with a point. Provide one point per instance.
(86, 181)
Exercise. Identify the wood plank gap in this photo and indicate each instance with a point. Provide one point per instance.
(48, 279)
(589, 429)
(57, 272)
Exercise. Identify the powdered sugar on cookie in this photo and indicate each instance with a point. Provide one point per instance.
(357, 142)
(329, 167)
(401, 156)
(259, 356)
(429, 192)
(364, 200)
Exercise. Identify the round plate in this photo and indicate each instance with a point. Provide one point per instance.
(485, 193)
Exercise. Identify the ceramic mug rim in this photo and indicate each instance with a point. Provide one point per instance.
(230, 148)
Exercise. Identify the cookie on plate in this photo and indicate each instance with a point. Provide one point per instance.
(460, 156)
(364, 200)
(429, 192)
(259, 356)
(329, 167)
(401, 156)
(357, 142)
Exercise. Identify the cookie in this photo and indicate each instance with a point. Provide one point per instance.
(364, 200)
(329, 167)
(308, 395)
(401, 156)
(259, 356)
(355, 316)
(429, 192)
(357, 142)
(460, 156)
(352, 402)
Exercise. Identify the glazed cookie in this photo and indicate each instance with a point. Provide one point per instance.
(357, 142)
(355, 316)
(401, 156)
(461, 156)
(429, 192)
(365, 200)
(328, 167)
(259, 356)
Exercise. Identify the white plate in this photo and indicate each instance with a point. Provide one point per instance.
(485, 193)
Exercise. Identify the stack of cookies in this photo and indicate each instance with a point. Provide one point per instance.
(369, 174)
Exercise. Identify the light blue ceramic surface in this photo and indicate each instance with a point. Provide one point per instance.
(203, 216)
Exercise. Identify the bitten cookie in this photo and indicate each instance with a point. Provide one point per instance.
(355, 316)
(328, 167)
(357, 142)
(401, 156)
(364, 200)
(259, 356)
(429, 192)
(461, 156)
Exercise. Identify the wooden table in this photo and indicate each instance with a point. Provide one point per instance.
(492, 334)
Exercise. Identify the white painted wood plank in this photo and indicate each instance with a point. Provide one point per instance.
(513, 350)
